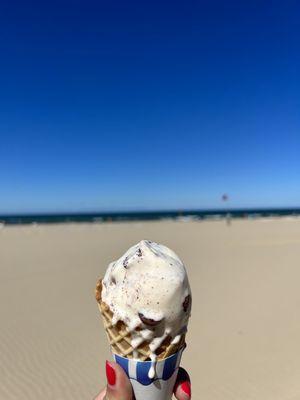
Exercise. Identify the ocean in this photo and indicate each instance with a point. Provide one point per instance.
(98, 217)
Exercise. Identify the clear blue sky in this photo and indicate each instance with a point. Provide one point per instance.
(121, 105)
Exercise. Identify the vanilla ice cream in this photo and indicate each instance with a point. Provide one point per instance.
(148, 290)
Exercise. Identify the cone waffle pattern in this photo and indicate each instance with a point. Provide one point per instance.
(120, 339)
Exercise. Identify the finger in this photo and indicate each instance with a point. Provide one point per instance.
(118, 384)
(101, 395)
(182, 388)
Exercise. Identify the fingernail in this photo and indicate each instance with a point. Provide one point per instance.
(110, 374)
(186, 387)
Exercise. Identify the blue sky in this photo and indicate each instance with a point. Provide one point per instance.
(113, 105)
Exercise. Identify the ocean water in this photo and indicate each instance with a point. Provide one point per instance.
(184, 215)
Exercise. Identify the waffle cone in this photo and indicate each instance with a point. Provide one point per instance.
(120, 339)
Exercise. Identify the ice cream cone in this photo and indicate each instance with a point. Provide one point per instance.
(145, 303)
(120, 338)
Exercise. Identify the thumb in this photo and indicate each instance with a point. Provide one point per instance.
(118, 384)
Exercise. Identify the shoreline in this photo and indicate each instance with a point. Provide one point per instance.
(188, 217)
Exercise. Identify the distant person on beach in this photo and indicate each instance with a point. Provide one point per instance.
(228, 219)
(119, 387)
(225, 198)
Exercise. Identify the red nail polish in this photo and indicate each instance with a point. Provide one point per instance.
(110, 374)
(186, 387)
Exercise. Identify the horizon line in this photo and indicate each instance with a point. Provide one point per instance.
(151, 211)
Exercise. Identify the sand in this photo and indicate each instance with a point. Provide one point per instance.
(243, 340)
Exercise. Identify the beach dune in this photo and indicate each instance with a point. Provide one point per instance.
(243, 339)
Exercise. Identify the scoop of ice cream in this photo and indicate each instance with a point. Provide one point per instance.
(147, 288)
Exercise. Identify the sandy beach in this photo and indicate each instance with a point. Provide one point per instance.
(243, 340)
